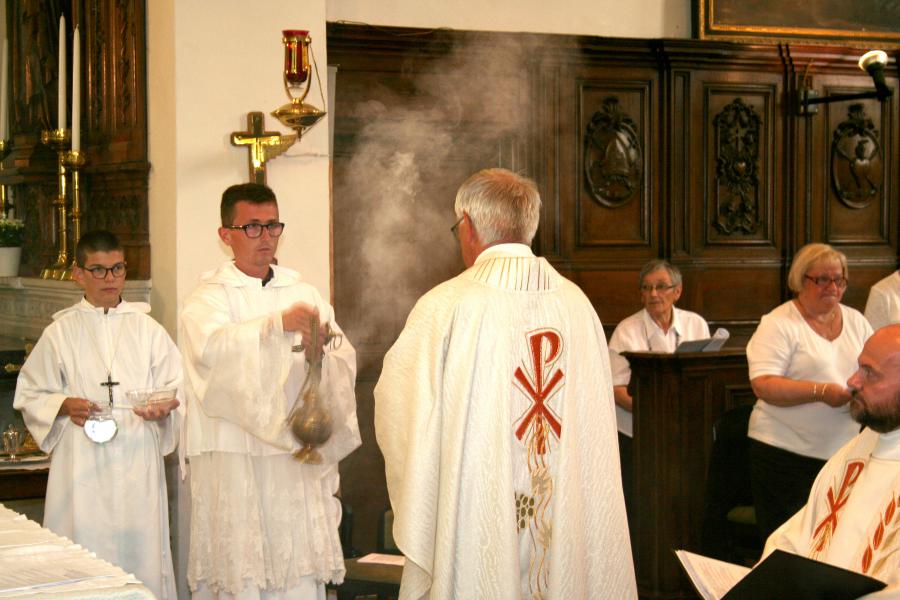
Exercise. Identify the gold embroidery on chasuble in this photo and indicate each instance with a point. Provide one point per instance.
(539, 429)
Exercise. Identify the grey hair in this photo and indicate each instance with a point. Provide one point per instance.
(656, 265)
(503, 206)
(809, 255)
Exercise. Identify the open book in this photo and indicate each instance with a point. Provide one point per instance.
(781, 575)
(705, 345)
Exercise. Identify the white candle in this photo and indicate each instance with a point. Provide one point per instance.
(4, 77)
(4, 90)
(76, 91)
(61, 108)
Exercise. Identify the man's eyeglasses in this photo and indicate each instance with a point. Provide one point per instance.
(659, 287)
(822, 281)
(254, 230)
(455, 227)
(98, 272)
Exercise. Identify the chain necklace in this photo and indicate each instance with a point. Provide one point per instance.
(109, 383)
(824, 328)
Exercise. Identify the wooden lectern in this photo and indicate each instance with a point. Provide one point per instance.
(677, 398)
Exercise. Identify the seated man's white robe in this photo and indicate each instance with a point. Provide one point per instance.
(110, 498)
(863, 532)
(495, 416)
(262, 523)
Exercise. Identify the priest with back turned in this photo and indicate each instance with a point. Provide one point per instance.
(495, 415)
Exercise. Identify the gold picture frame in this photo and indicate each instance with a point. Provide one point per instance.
(849, 23)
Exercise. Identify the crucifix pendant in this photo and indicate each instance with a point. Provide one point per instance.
(108, 384)
(101, 426)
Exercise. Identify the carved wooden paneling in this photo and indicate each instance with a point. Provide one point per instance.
(846, 199)
(614, 206)
(854, 189)
(607, 198)
(734, 199)
(114, 122)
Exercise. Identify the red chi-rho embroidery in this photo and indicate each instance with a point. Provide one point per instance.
(545, 347)
(825, 529)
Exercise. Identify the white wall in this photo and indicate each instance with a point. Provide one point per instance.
(226, 62)
(613, 18)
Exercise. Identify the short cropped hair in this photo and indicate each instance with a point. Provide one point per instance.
(503, 206)
(254, 193)
(809, 255)
(98, 240)
(657, 264)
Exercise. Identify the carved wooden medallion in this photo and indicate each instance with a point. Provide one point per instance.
(857, 170)
(613, 159)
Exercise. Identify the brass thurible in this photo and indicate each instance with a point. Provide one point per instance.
(59, 140)
(310, 421)
(74, 160)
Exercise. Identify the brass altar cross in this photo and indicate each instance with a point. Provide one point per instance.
(263, 145)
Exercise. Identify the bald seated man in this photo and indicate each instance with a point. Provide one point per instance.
(852, 517)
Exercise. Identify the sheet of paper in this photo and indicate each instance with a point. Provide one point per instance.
(717, 341)
(712, 578)
(383, 559)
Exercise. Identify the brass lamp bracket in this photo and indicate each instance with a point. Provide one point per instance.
(263, 145)
(872, 62)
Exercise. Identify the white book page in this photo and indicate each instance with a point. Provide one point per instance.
(712, 578)
(383, 559)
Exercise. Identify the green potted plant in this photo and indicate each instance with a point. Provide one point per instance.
(12, 231)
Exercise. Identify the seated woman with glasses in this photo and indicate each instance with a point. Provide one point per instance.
(658, 327)
(800, 358)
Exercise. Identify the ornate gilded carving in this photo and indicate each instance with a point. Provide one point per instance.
(613, 158)
(34, 47)
(857, 170)
(737, 129)
(126, 44)
(96, 96)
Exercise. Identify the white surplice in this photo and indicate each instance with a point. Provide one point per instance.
(852, 518)
(494, 412)
(261, 521)
(110, 498)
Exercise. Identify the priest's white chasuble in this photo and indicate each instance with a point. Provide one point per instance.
(495, 416)
(852, 518)
(263, 525)
(109, 498)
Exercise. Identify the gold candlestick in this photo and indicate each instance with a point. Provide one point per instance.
(74, 160)
(5, 200)
(58, 140)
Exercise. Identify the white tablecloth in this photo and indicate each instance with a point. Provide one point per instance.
(37, 563)
(34, 462)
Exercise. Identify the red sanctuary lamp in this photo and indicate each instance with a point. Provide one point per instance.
(297, 114)
(296, 56)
